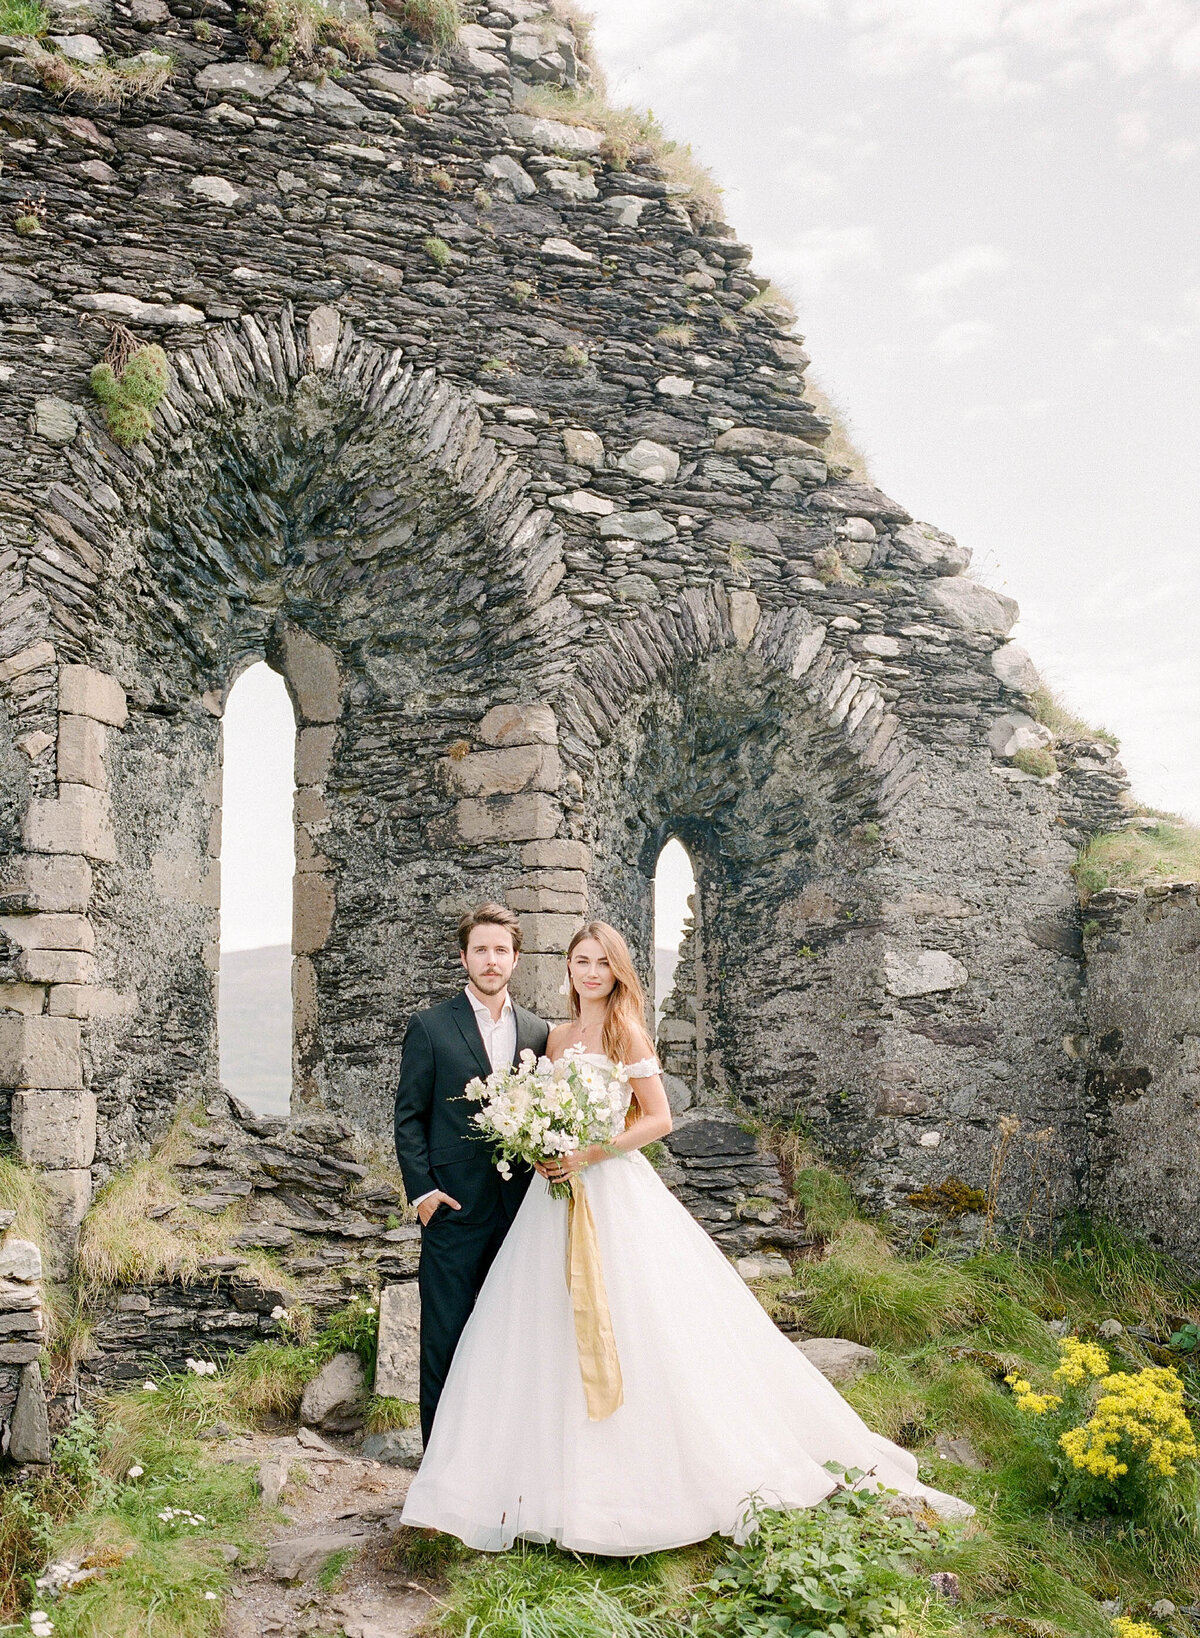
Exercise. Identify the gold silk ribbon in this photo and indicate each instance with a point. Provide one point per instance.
(594, 1340)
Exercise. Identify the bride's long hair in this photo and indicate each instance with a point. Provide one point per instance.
(625, 1012)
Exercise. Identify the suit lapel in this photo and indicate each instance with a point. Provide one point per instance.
(524, 1022)
(464, 1017)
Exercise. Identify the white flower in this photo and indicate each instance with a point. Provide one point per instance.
(210, 1595)
(150, 1387)
(135, 1472)
(278, 1311)
(38, 1615)
(504, 1169)
(41, 1629)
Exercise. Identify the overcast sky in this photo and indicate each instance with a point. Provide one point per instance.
(985, 213)
(986, 216)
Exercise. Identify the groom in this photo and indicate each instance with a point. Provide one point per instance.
(449, 1173)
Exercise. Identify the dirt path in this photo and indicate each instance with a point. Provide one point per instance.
(333, 1566)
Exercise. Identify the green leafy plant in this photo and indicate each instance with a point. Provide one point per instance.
(437, 22)
(837, 1569)
(437, 250)
(302, 32)
(1187, 1339)
(131, 393)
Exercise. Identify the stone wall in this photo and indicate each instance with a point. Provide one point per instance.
(480, 430)
(1142, 1053)
(24, 1424)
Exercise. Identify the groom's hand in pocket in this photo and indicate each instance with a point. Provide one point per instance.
(431, 1203)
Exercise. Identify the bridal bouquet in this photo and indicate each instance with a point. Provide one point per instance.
(539, 1110)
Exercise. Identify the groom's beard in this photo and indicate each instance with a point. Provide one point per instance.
(490, 983)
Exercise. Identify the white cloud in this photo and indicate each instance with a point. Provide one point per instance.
(893, 37)
(954, 271)
(806, 261)
(983, 76)
(963, 337)
(1133, 130)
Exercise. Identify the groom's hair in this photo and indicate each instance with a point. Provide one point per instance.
(489, 915)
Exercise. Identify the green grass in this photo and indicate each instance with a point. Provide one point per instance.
(301, 32)
(21, 1191)
(1170, 851)
(1048, 708)
(23, 17)
(436, 22)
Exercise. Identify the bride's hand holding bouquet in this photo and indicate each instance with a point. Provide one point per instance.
(557, 1117)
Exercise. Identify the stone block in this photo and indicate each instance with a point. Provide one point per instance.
(88, 1001)
(20, 1260)
(48, 882)
(922, 972)
(743, 617)
(41, 1052)
(32, 658)
(55, 1129)
(1015, 732)
(79, 821)
(975, 607)
(81, 746)
(309, 806)
(324, 327)
(397, 1370)
(557, 853)
(542, 899)
(313, 904)
(537, 984)
(333, 1400)
(68, 1195)
(928, 550)
(83, 691)
(50, 930)
(300, 1558)
(398, 1447)
(314, 754)
(311, 667)
(57, 966)
(29, 999)
(548, 934)
(30, 1435)
(583, 448)
(519, 725)
(530, 817)
(506, 772)
(1015, 669)
(838, 1360)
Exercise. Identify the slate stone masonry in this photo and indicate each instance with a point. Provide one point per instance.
(482, 432)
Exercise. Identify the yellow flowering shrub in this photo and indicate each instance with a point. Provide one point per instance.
(1080, 1361)
(1140, 1413)
(1114, 1436)
(1123, 1627)
(1037, 1404)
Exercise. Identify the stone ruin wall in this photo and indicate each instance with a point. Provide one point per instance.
(1142, 1056)
(24, 1421)
(547, 588)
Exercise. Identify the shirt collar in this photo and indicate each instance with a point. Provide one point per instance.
(481, 1008)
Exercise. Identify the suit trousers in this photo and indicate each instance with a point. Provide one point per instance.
(456, 1253)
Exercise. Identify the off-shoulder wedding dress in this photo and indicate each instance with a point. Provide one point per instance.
(719, 1406)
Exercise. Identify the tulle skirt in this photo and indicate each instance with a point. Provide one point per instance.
(720, 1409)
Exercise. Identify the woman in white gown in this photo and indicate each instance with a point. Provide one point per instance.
(719, 1407)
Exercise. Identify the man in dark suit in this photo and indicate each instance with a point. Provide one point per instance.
(449, 1170)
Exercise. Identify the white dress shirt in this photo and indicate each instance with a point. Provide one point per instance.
(499, 1042)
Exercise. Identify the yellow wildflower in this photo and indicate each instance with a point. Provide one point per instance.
(1037, 1404)
(1080, 1361)
(1123, 1627)
(1142, 1412)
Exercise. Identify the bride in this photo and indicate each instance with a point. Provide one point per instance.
(718, 1406)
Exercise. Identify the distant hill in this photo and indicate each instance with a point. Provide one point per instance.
(256, 1022)
(256, 1027)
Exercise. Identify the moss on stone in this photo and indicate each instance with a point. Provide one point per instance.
(1037, 760)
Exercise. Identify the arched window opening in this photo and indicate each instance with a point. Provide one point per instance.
(257, 864)
(676, 1013)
